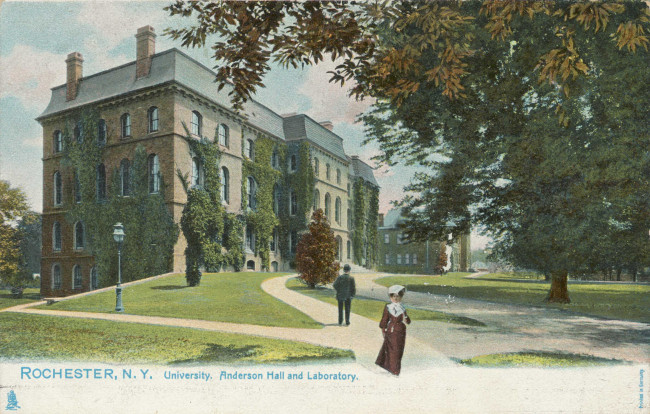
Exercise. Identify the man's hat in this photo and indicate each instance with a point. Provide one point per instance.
(346, 268)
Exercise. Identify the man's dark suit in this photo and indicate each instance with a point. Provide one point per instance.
(345, 290)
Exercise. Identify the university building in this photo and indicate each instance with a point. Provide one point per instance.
(397, 256)
(160, 102)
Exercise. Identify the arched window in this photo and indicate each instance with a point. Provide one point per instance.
(197, 172)
(249, 149)
(348, 250)
(76, 277)
(276, 200)
(79, 235)
(56, 276)
(293, 205)
(250, 265)
(126, 125)
(251, 190)
(274, 240)
(348, 187)
(57, 138)
(225, 185)
(79, 132)
(338, 176)
(224, 135)
(101, 182)
(94, 278)
(250, 239)
(293, 163)
(327, 171)
(328, 205)
(275, 162)
(154, 174)
(77, 187)
(152, 116)
(197, 120)
(125, 177)
(349, 220)
(337, 210)
(56, 236)
(316, 166)
(316, 199)
(101, 133)
(339, 248)
(58, 189)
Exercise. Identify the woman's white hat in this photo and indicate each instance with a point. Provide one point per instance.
(395, 289)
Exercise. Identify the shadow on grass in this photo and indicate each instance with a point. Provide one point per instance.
(543, 359)
(28, 296)
(169, 287)
(219, 353)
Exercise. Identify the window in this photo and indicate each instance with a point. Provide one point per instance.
(407, 259)
(152, 116)
(250, 265)
(58, 189)
(316, 166)
(349, 220)
(77, 187)
(223, 134)
(274, 240)
(56, 236)
(294, 163)
(251, 190)
(125, 177)
(399, 238)
(327, 171)
(101, 133)
(328, 203)
(275, 161)
(250, 239)
(225, 185)
(387, 259)
(339, 248)
(154, 174)
(337, 210)
(293, 204)
(58, 141)
(386, 238)
(276, 200)
(348, 187)
(399, 259)
(197, 172)
(56, 276)
(316, 199)
(94, 278)
(126, 125)
(79, 235)
(293, 241)
(349, 248)
(76, 277)
(101, 183)
(197, 120)
(338, 176)
(79, 132)
(415, 259)
(249, 149)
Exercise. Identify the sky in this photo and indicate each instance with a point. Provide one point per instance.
(36, 37)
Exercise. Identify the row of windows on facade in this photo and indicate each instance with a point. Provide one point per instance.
(327, 172)
(408, 259)
(154, 180)
(223, 133)
(77, 277)
(78, 236)
(400, 238)
(293, 242)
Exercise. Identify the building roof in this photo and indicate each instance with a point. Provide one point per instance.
(301, 126)
(363, 170)
(392, 219)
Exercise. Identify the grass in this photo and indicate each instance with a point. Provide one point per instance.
(626, 302)
(373, 309)
(224, 297)
(514, 275)
(537, 360)
(29, 295)
(36, 337)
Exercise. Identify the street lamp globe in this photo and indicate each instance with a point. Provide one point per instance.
(118, 232)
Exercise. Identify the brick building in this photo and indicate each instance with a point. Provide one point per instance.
(397, 256)
(151, 102)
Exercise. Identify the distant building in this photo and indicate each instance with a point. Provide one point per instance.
(398, 256)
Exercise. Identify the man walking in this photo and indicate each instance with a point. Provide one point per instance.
(345, 291)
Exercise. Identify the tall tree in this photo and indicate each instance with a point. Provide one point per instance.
(316, 252)
(13, 209)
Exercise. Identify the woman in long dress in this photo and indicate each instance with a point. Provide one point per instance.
(393, 326)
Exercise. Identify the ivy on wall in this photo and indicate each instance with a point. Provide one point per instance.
(359, 223)
(148, 224)
(366, 214)
(371, 226)
(233, 241)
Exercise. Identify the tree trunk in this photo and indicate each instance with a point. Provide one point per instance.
(559, 292)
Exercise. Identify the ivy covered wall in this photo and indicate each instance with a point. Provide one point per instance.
(365, 213)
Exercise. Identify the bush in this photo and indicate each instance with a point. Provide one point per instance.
(316, 252)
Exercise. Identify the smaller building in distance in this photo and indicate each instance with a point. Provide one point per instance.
(398, 256)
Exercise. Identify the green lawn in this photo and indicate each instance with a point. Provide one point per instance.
(37, 337)
(373, 309)
(224, 297)
(627, 302)
(29, 295)
(514, 275)
(538, 359)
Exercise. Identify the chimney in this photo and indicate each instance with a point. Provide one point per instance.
(381, 220)
(145, 48)
(75, 73)
(327, 124)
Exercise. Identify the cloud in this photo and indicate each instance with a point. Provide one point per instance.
(330, 101)
(28, 74)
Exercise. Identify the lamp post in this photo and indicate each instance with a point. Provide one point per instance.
(118, 236)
